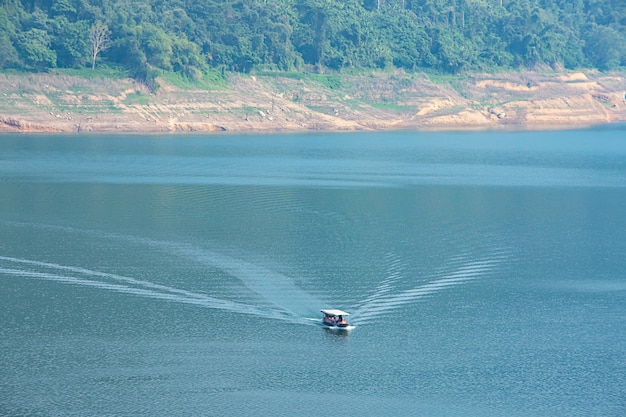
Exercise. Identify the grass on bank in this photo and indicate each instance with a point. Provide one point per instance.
(137, 98)
(208, 81)
(102, 72)
(329, 81)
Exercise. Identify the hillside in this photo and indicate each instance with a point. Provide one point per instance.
(270, 65)
(273, 102)
(191, 37)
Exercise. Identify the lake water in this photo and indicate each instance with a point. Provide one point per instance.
(183, 275)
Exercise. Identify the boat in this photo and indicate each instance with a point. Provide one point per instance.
(336, 319)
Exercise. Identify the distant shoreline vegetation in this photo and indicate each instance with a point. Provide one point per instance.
(193, 38)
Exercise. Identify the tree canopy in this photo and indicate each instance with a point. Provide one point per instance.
(191, 36)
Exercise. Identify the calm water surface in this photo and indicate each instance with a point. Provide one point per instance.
(183, 275)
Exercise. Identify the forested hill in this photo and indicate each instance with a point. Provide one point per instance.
(191, 36)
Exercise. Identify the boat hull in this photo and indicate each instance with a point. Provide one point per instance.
(335, 327)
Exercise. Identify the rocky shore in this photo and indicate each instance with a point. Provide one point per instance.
(275, 102)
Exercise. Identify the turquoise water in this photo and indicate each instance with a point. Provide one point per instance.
(183, 275)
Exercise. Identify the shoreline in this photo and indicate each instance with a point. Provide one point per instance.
(279, 103)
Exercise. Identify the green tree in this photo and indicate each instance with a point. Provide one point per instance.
(408, 43)
(156, 45)
(70, 42)
(35, 51)
(187, 36)
(605, 47)
(62, 8)
(8, 32)
(453, 52)
(34, 41)
(187, 59)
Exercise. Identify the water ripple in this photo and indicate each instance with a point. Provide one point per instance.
(87, 277)
(384, 299)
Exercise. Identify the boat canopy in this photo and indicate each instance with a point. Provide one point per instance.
(335, 313)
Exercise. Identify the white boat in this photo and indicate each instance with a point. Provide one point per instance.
(336, 319)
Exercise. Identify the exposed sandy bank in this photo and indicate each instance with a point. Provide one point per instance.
(273, 103)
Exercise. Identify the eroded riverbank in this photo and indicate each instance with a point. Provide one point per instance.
(300, 102)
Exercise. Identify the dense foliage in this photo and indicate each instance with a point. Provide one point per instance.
(190, 36)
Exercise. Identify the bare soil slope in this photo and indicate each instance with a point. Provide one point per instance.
(299, 102)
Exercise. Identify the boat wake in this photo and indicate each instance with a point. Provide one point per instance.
(386, 298)
(71, 275)
(279, 289)
(280, 297)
